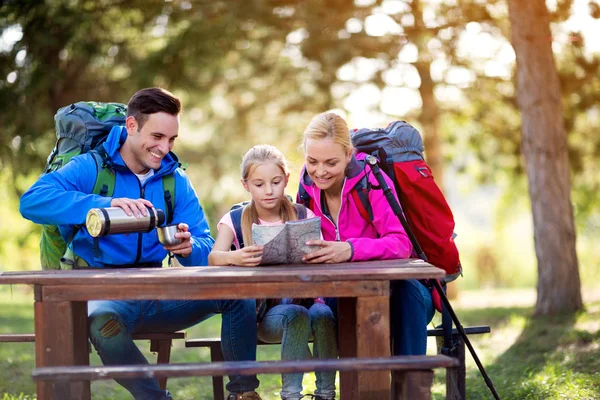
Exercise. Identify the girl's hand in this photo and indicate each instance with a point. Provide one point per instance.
(249, 256)
(330, 252)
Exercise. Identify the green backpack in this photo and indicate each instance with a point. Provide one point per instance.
(81, 128)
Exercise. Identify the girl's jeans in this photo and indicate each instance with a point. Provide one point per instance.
(292, 325)
(111, 324)
(411, 310)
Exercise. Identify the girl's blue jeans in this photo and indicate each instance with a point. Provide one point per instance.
(293, 325)
(111, 324)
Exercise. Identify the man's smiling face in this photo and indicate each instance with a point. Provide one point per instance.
(152, 142)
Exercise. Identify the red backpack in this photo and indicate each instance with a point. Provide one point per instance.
(399, 149)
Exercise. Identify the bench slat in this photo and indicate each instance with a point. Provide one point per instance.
(470, 330)
(208, 342)
(16, 338)
(86, 373)
(159, 336)
(30, 337)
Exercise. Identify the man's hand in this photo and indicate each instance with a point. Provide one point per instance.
(330, 252)
(184, 248)
(249, 256)
(133, 207)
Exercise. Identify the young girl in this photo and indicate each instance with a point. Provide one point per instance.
(291, 322)
(331, 172)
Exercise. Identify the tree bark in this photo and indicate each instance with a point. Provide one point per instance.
(544, 147)
(430, 111)
(430, 120)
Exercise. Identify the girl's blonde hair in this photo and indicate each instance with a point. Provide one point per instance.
(329, 125)
(257, 155)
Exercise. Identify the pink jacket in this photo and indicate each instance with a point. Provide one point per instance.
(382, 239)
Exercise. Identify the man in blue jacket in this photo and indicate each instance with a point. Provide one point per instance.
(140, 155)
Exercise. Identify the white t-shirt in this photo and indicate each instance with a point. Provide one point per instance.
(144, 177)
(226, 220)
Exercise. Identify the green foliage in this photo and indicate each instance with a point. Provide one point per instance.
(534, 358)
(256, 72)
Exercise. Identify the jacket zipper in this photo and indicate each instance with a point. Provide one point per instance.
(139, 246)
(337, 231)
(143, 196)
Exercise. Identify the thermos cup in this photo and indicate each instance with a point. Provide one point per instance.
(112, 220)
(166, 235)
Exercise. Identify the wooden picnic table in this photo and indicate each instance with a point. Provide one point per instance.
(363, 290)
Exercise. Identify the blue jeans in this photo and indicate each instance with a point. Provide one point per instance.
(111, 324)
(292, 325)
(411, 310)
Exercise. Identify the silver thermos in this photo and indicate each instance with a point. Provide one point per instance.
(112, 220)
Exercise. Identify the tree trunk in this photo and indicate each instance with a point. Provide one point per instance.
(430, 120)
(430, 111)
(544, 147)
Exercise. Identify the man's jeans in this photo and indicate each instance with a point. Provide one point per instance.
(111, 324)
(293, 325)
(411, 310)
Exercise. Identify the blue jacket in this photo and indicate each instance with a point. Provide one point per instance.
(63, 198)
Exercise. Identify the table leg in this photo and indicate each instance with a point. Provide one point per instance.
(364, 331)
(61, 339)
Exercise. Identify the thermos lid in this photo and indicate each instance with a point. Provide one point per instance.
(95, 222)
(160, 215)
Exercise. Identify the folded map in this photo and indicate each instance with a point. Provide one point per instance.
(285, 243)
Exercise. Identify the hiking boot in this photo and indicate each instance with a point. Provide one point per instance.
(244, 396)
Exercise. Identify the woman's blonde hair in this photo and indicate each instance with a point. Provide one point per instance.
(329, 125)
(257, 155)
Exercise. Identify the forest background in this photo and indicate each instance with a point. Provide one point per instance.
(471, 75)
(256, 72)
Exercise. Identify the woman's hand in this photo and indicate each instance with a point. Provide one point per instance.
(249, 256)
(329, 252)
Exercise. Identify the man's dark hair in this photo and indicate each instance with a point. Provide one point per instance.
(151, 101)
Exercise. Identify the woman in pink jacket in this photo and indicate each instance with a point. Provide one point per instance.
(332, 170)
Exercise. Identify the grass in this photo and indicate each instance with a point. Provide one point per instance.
(527, 358)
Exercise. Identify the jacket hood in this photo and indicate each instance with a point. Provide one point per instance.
(356, 170)
(118, 136)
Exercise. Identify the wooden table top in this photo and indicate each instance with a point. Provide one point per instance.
(350, 271)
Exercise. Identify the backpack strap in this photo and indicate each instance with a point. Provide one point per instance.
(304, 198)
(360, 194)
(168, 182)
(104, 185)
(300, 211)
(236, 219)
(105, 174)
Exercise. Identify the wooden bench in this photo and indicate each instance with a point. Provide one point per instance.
(160, 343)
(412, 376)
(455, 376)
